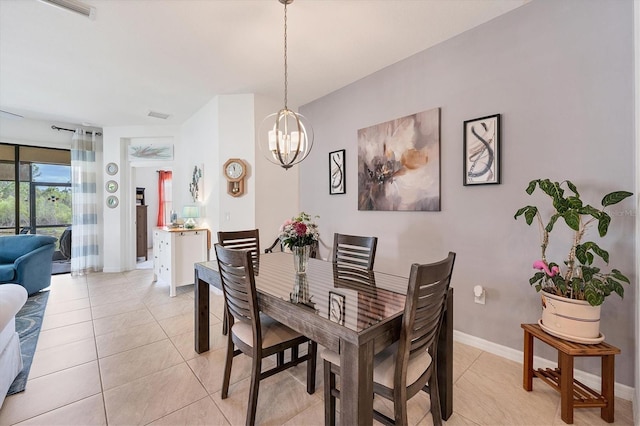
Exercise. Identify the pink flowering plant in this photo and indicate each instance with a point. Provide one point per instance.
(581, 279)
(299, 231)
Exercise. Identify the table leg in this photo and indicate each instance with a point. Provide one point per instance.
(356, 383)
(445, 360)
(527, 368)
(201, 315)
(607, 382)
(566, 387)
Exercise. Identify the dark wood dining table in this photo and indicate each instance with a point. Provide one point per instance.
(353, 318)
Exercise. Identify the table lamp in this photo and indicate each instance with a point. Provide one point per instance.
(190, 213)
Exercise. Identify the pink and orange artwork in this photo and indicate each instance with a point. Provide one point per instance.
(399, 164)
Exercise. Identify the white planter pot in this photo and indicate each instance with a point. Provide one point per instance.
(574, 320)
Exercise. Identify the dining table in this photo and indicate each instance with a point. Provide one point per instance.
(355, 317)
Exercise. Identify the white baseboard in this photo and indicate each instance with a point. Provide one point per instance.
(591, 380)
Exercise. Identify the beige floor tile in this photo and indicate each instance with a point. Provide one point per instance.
(66, 318)
(116, 308)
(464, 356)
(68, 294)
(152, 397)
(209, 367)
(86, 412)
(128, 366)
(487, 401)
(185, 342)
(52, 391)
(175, 306)
(121, 321)
(47, 361)
(201, 413)
(312, 416)
(184, 323)
(65, 306)
(119, 293)
(299, 372)
(64, 335)
(123, 340)
(280, 398)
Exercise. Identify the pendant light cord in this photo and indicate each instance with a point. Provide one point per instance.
(285, 56)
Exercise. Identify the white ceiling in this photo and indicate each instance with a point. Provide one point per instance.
(173, 56)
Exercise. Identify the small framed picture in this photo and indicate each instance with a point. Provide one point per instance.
(482, 150)
(337, 175)
(336, 307)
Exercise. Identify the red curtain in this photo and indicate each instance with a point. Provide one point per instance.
(164, 177)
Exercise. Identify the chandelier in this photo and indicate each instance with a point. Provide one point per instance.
(285, 137)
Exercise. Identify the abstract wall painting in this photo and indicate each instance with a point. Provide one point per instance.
(399, 164)
(482, 150)
(337, 183)
(150, 152)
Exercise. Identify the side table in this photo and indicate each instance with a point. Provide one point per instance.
(573, 394)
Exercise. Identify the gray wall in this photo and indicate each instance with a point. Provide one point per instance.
(561, 75)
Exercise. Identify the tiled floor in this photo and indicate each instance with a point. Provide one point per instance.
(116, 349)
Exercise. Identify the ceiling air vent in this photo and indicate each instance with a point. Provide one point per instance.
(74, 6)
(160, 115)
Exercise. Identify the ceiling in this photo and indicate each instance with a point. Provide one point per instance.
(173, 56)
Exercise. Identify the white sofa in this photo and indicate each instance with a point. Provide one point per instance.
(12, 298)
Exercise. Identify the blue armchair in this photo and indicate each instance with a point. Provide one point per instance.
(26, 260)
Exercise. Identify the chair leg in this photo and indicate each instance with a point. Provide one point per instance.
(312, 350)
(400, 410)
(256, 366)
(434, 395)
(227, 368)
(225, 321)
(329, 400)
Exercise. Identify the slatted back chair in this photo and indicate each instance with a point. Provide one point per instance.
(409, 365)
(277, 245)
(354, 250)
(243, 240)
(254, 334)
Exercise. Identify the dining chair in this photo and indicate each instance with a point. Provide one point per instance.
(314, 253)
(409, 365)
(252, 333)
(241, 240)
(354, 250)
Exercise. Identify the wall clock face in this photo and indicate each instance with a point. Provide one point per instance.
(234, 170)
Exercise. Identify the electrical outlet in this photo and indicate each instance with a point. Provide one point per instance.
(479, 294)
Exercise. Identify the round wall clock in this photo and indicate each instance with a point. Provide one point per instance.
(235, 171)
(111, 186)
(112, 201)
(112, 169)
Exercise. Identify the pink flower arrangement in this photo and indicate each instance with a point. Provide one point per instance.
(299, 231)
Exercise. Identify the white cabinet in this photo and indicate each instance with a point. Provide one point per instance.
(174, 253)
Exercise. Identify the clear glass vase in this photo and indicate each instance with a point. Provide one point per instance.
(300, 258)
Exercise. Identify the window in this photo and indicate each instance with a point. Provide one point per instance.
(43, 192)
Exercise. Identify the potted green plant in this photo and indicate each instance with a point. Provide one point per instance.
(578, 285)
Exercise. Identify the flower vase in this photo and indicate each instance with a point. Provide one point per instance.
(300, 258)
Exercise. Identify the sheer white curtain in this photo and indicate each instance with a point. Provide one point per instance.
(84, 231)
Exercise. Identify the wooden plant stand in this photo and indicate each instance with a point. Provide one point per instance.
(573, 394)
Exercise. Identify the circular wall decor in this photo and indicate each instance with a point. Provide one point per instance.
(112, 201)
(112, 168)
(111, 186)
